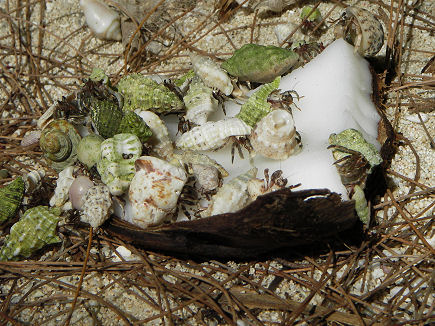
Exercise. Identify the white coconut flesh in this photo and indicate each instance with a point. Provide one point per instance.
(335, 94)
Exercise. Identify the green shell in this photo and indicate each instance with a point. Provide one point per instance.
(98, 75)
(361, 207)
(143, 93)
(11, 196)
(33, 231)
(106, 117)
(315, 16)
(88, 149)
(131, 123)
(185, 78)
(257, 107)
(258, 63)
(354, 140)
(116, 166)
(59, 141)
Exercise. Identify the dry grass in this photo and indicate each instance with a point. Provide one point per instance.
(335, 287)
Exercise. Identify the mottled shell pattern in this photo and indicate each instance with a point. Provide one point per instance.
(257, 107)
(35, 229)
(363, 30)
(141, 92)
(11, 196)
(63, 183)
(116, 166)
(275, 136)
(97, 206)
(199, 101)
(211, 74)
(232, 196)
(261, 64)
(87, 150)
(59, 141)
(212, 135)
(161, 144)
(154, 191)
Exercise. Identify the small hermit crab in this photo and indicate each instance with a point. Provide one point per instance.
(362, 29)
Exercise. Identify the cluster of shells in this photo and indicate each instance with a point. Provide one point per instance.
(114, 154)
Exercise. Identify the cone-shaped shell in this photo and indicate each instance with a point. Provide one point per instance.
(131, 123)
(97, 206)
(143, 93)
(34, 230)
(59, 141)
(103, 21)
(257, 107)
(261, 64)
(275, 136)
(11, 196)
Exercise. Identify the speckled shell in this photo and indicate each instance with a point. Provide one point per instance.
(154, 191)
(103, 21)
(59, 141)
(143, 93)
(116, 166)
(372, 33)
(261, 64)
(212, 135)
(257, 107)
(232, 196)
(161, 143)
(30, 138)
(106, 117)
(199, 102)
(131, 123)
(275, 136)
(34, 230)
(207, 177)
(11, 196)
(97, 206)
(211, 74)
(63, 184)
(87, 150)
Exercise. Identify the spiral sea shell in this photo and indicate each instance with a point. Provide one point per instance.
(211, 74)
(154, 191)
(11, 196)
(59, 141)
(34, 230)
(363, 30)
(275, 136)
(212, 135)
(103, 21)
(257, 107)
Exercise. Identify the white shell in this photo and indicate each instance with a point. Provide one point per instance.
(199, 102)
(33, 179)
(211, 73)
(154, 191)
(207, 177)
(97, 206)
(284, 30)
(78, 190)
(47, 116)
(212, 135)
(232, 196)
(161, 143)
(63, 184)
(103, 21)
(31, 137)
(275, 135)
